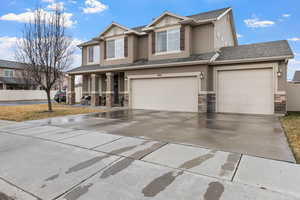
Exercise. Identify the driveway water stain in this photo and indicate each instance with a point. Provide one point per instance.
(126, 162)
(197, 161)
(214, 191)
(161, 183)
(51, 178)
(90, 162)
(6, 197)
(229, 166)
(78, 192)
(86, 164)
(116, 168)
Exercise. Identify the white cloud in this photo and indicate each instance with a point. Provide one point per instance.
(239, 35)
(286, 15)
(255, 22)
(29, 15)
(7, 47)
(94, 6)
(48, 1)
(54, 6)
(294, 39)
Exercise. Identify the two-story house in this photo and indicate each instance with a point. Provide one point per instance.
(13, 77)
(183, 63)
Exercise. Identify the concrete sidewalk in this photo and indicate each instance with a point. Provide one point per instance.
(41, 161)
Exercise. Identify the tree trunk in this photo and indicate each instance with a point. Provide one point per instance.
(49, 101)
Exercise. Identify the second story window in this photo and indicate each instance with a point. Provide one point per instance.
(8, 73)
(115, 48)
(93, 54)
(168, 40)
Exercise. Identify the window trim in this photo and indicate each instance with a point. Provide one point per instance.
(88, 55)
(10, 70)
(115, 38)
(167, 29)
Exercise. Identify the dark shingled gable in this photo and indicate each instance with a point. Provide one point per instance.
(209, 15)
(11, 64)
(258, 50)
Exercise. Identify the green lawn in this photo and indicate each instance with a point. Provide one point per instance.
(291, 124)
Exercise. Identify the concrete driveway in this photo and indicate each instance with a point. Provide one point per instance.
(55, 159)
(252, 135)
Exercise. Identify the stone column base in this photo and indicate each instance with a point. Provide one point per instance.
(202, 103)
(71, 98)
(95, 100)
(211, 103)
(126, 100)
(109, 99)
(280, 104)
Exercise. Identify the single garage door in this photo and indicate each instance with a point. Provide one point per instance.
(170, 94)
(245, 91)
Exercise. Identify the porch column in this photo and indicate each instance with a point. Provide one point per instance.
(71, 89)
(109, 89)
(95, 90)
(85, 82)
(4, 86)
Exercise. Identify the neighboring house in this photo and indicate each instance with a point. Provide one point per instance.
(183, 63)
(13, 77)
(296, 78)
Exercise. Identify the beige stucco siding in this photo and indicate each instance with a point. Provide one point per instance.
(202, 39)
(142, 47)
(223, 34)
(282, 84)
(181, 54)
(131, 50)
(84, 55)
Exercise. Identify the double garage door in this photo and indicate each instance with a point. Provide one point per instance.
(170, 94)
(238, 91)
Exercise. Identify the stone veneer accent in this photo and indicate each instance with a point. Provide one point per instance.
(202, 103)
(280, 103)
(211, 103)
(126, 99)
(206, 103)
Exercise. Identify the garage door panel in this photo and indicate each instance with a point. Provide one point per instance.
(170, 94)
(245, 91)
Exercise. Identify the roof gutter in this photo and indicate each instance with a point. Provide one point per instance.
(249, 60)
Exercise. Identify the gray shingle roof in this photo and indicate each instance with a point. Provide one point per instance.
(296, 76)
(209, 15)
(258, 50)
(11, 64)
(200, 16)
(251, 51)
(198, 57)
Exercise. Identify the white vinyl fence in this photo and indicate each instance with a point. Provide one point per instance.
(293, 97)
(24, 95)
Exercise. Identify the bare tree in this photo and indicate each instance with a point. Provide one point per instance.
(46, 49)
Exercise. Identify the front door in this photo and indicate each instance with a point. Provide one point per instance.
(116, 89)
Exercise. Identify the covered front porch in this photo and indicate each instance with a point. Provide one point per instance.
(100, 89)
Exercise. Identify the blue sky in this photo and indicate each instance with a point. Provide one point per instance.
(255, 20)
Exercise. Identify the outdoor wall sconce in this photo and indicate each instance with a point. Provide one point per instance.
(201, 75)
(279, 73)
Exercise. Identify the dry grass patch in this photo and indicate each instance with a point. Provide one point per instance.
(291, 125)
(39, 111)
